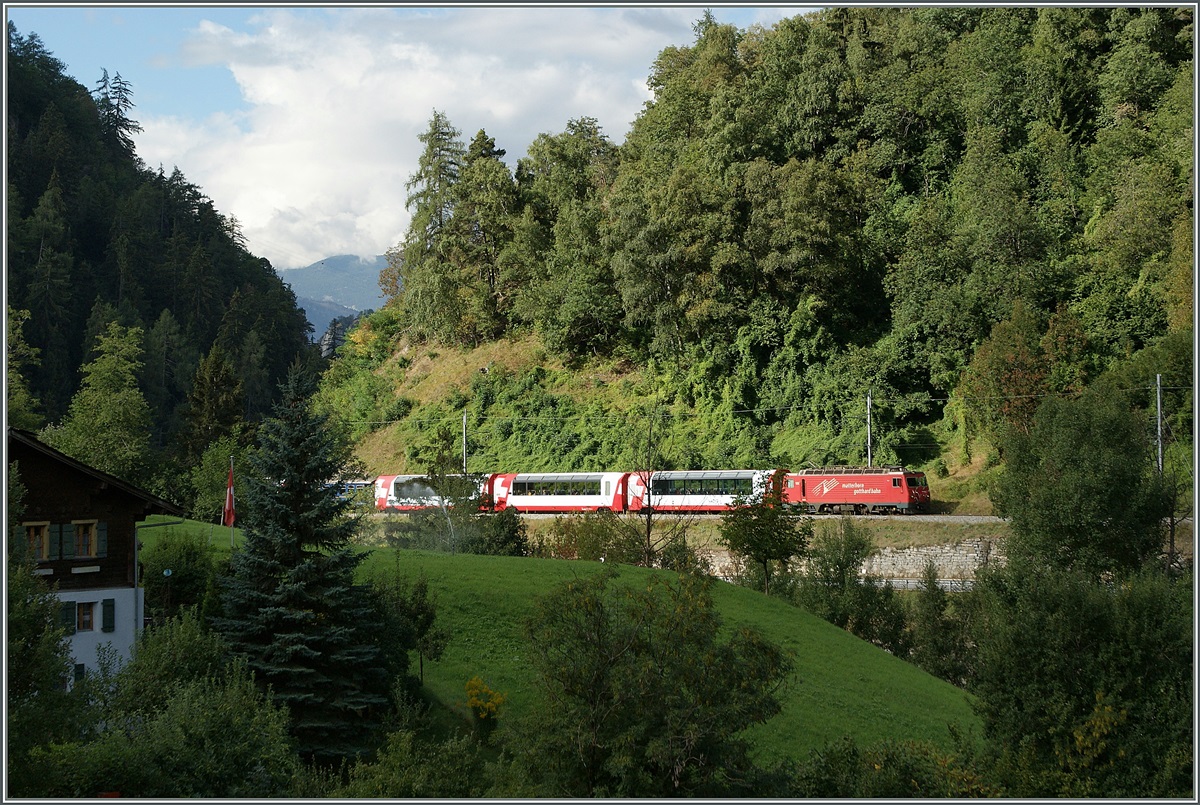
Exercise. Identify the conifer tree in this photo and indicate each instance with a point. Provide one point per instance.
(418, 273)
(108, 424)
(214, 406)
(290, 604)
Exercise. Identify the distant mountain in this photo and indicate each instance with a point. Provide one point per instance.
(336, 286)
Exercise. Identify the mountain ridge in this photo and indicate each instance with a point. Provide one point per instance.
(335, 286)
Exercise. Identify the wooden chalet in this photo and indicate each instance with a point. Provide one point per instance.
(80, 525)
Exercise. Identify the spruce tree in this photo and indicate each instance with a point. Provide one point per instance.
(290, 603)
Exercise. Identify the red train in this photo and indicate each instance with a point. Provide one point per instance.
(851, 490)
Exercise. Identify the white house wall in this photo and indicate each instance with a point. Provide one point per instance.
(128, 609)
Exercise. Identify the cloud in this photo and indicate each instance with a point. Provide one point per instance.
(316, 161)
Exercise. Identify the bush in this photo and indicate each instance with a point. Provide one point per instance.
(192, 568)
(214, 737)
(502, 533)
(591, 536)
(409, 768)
(181, 649)
(887, 770)
(830, 587)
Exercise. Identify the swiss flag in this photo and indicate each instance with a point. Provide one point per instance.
(229, 514)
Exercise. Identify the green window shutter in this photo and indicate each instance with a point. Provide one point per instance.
(101, 539)
(56, 530)
(68, 541)
(66, 616)
(108, 609)
(19, 545)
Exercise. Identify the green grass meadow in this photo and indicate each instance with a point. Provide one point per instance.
(840, 685)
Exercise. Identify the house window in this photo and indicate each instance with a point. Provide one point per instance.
(38, 536)
(85, 539)
(85, 616)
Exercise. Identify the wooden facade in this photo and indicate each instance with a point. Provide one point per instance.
(80, 524)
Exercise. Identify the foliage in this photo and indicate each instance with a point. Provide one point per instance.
(764, 530)
(411, 611)
(642, 697)
(593, 536)
(191, 573)
(39, 707)
(1085, 687)
(484, 705)
(501, 533)
(20, 357)
(215, 736)
(410, 766)
(291, 606)
(215, 406)
(831, 587)
(1078, 487)
(209, 476)
(959, 210)
(179, 650)
(887, 770)
(107, 426)
(937, 628)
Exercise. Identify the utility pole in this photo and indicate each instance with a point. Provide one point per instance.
(464, 442)
(869, 427)
(1171, 515)
(1158, 407)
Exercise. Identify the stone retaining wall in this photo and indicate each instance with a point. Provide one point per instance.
(958, 561)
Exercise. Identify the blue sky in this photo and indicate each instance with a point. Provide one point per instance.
(302, 122)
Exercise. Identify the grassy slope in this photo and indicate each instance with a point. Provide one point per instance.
(841, 685)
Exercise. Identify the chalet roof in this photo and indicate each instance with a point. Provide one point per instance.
(154, 504)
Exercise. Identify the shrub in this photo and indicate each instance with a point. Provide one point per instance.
(187, 557)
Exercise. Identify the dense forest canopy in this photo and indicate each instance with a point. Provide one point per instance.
(96, 237)
(953, 209)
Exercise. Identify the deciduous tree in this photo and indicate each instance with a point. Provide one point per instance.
(643, 696)
(763, 530)
(1078, 487)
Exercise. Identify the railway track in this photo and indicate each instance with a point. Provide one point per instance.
(963, 519)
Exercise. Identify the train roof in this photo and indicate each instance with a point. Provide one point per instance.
(550, 477)
(847, 470)
(704, 474)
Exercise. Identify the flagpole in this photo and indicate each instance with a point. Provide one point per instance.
(228, 513)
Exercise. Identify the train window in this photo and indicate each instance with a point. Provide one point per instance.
(896, 482)
(607, 488)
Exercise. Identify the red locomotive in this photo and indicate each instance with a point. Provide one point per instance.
(857, 490)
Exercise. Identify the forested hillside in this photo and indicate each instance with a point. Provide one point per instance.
(959, 212)
(95, 237)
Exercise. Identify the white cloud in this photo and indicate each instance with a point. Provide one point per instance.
(317, 164)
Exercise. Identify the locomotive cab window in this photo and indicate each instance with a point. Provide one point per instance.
(896, 482)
